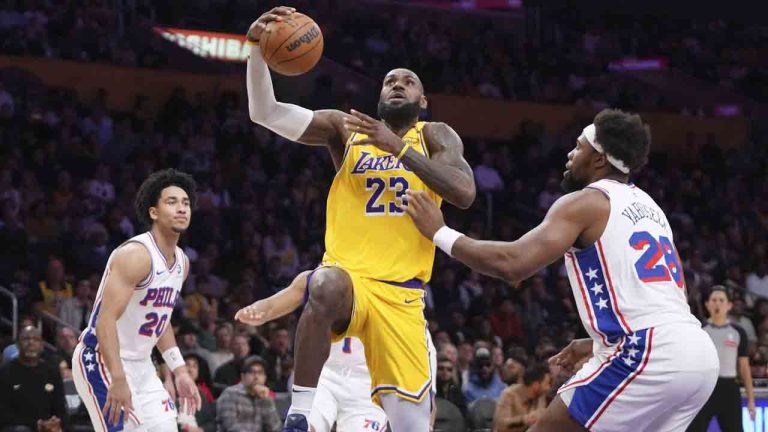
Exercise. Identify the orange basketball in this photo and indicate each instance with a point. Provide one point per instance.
(292, 46)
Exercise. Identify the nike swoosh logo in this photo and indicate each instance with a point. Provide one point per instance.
(411, 301)
(159, 272)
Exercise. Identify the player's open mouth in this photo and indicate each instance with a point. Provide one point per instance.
(397, 96)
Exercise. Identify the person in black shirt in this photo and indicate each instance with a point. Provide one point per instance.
(731, 343)
(31, 391)
(228, 374)
(447, 387)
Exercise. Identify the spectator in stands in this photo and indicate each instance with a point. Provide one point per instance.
(228, 374)
(37, 145)
(187, 342)
(25, 290)
(248, 406)
(506, 322)
(74, 404)
(100, 187)
(513, 370)
(280, 245)
(483, 381)
(278, 358)
(42, 228)
(521, 405)
(31, 391)
(7, 103)
(12, 237)
(63, 195)
(758, 363)
(469, 290)
(448, 386)
(464, 363)
(92, 253)
(205, 419)
(207, 318)
(486, 175)
(223, 351)
(66, 340)
(75, 311)
(757, 280)
(548, 196)
(205, 283)
(738, 316)
(8, 193)
(54, 288)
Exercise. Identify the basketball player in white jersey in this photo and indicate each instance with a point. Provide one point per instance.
(344, 390)
(112, 369)
(651, 365)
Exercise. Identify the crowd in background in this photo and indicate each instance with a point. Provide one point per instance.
(565, 61)
(70, 168)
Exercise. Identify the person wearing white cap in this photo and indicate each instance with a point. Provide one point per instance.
(647, 364)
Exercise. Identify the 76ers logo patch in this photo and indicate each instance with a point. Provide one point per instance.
(372, 425)
(169, 405)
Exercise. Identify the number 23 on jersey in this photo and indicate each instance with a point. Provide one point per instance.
(377, 186)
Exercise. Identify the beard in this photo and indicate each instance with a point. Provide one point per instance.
(570, 184)
(398, 116)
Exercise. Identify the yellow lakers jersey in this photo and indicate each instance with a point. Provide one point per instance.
(367, 229)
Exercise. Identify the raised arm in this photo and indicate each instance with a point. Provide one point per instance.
(445, 171)
(322, 128)
(131, 264)
(577, 216)
(278, 305)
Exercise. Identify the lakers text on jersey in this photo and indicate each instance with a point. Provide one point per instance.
(368, 231)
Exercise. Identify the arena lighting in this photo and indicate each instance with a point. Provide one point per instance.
(638, 64)
(228, 47)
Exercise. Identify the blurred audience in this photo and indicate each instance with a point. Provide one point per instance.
(248, 406)
(521, 405)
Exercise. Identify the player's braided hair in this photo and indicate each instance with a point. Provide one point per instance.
(624, 136)
(149, 191)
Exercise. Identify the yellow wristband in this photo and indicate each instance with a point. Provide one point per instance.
(250, 42)
(402, 152)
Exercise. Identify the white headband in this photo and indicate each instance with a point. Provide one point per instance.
(590, 134)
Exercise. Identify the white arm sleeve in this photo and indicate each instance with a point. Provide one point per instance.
(283, 119)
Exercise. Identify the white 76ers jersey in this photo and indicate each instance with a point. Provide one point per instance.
(149, 310)
(631, 278)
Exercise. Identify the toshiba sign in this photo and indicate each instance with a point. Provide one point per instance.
(212, 45)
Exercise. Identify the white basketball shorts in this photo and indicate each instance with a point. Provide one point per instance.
(655, 379)
(152, 405)
(344, 396)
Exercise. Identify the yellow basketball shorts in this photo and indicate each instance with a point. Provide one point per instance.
(389, 320)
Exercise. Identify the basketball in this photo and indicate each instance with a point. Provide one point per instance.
(292, 46)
